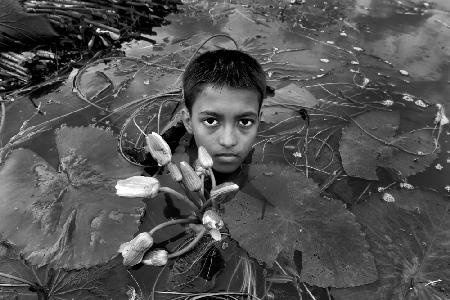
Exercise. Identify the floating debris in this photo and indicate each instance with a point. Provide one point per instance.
(439, 167)
(387, 102)
(407, 186)
(408, 97)
(289, 147)
(441, 118)
(420, 103)
(297, 154)
(388, 197)
(324, 60)
(358, 49)
(404, 73)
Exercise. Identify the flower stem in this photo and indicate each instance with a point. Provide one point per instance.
(171, 222)
(178, 195)
(189, 246)
(213, 178)
(190, 195)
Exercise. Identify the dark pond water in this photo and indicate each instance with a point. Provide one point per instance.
(347, 57)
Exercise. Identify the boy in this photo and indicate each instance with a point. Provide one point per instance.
(223, 92)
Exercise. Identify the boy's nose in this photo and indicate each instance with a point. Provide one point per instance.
(228, 137)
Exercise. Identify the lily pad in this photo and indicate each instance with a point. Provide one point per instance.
(410, 241)
(103, 282)
(18, 28)
(286, 102)
(69, 218)
(371, 142)
(280, 210)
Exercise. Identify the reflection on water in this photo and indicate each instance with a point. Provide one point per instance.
(347, 54)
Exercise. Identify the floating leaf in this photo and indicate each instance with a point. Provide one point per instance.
(409, 239)
(370, 141)
(71, 218)
(104, 282)
(18, 28)
(284, 212)
(286, 102)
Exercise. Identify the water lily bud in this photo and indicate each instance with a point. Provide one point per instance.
(204, 158)
(155, 258)
(174, 172)
(215, 234)
(138, 186)
(199, 169)
(158, 148)
(133, 251)
(212, 220)
(223, 190)
(190, 178)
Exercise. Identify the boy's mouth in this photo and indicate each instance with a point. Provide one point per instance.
(227, 157)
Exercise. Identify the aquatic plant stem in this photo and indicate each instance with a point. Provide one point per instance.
(2, 120)
(179, 196)
(189, 246)
(213, 178)
(213, 186)
(171, 222)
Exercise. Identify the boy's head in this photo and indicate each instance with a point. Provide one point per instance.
(223, 93)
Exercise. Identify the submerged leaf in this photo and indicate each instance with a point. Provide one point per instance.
(370, 142)
(71, 218)
(18, 28)
(284, 212)
(409, 239)
(104, 282)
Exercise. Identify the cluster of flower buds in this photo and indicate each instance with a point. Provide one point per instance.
(138, 249)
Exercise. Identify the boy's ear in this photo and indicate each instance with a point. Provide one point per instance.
(187, 120)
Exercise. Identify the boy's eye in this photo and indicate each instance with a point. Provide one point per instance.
(246, 122)
(210, 122)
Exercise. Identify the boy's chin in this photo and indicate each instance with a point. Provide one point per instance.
(225, 168)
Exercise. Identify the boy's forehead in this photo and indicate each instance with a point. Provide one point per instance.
(225, 98)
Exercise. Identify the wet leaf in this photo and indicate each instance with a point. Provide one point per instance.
(197, 270)
(18, 28)
(284, 213)
(409, 239)
(103, 282)
(370, 141)
(69, 218)
(286, 102)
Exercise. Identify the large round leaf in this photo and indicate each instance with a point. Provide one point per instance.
(69, 218)
(370, 141)
(108, 281)
(281, 210)
(410, 241)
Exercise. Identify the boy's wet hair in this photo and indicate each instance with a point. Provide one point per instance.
(232, 68)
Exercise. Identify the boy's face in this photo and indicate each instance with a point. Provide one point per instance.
(225, 121)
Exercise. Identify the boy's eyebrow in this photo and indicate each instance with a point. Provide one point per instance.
(215, 114)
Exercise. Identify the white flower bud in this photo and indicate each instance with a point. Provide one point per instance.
(138, 186)
(158, 148)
